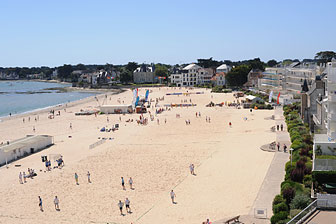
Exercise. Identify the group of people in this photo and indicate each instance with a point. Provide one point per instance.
(280, 127)
(284, 147)
(36, 119)
(88, 178)
(23, 176)
(56, 203)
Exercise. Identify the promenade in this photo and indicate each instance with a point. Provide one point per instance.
(261, 210)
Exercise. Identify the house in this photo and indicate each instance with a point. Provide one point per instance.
(252, 78)
(54, 74)
(208, 74)
(176, 76)
(89, 77)
(195, 75)
(223, 68)
(309, 100)
(144, 74)
(219, 79)
(23, 147)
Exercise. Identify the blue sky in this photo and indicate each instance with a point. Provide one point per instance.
(53, 33)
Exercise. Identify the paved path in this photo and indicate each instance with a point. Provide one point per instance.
(275, 175)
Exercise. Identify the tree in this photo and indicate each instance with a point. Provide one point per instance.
(161, 70)
(238, 75)
(272, 63)
(256, 64)
(208, 63)
(325, 56)
(126, 76)
(131, 66)
(80, 67)
(64, 72)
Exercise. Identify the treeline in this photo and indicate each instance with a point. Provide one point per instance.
(236, 77)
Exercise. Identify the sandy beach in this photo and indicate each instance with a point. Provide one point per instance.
(229, 165)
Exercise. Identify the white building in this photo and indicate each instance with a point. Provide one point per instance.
(325, 144)
(219, 79)
(144, 74)
(223, 68)
(271, 79)
(297, 73)
(176, 77)
(23, 147)
(194, 75)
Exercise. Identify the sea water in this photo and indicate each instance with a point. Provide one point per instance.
(23, 96)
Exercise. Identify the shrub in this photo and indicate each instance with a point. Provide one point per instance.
(297, 175)
(297, 186)
(307, 181)
(294, 212)
(277, 200)
(278, 217)
(300, 201)
(297, 145)
(280, 207)
(288, 194)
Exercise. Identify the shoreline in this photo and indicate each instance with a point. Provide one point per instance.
(59, 106)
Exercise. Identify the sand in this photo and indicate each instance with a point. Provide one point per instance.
(229, 164)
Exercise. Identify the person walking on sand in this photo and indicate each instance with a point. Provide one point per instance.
(121, 205)
(76, 178)
(281, 127)
(285, 147)
(24, 177)
(172, 196)
(192, 169)
(70, 125)
(20, 178)
(56, 202)
(230, 124)
(33, 128)
(277, 127)
(165, 120)
(40, 203)
(123, 183)
(89, 177)
(278, 145)
(130, 181)
(127, 204)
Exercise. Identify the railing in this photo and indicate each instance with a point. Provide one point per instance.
(299, 218)
(97, 143)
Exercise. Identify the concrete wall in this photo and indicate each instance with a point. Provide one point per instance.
(23, 151)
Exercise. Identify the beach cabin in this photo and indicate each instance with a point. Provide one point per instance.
(116, 109)
(19, 148)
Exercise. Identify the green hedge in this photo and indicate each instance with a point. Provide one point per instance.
(324, 176)
(279, 217)
(325, 157)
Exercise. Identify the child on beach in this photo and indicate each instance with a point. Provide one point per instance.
(20, 178)
(56, 202)
(131, 183)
